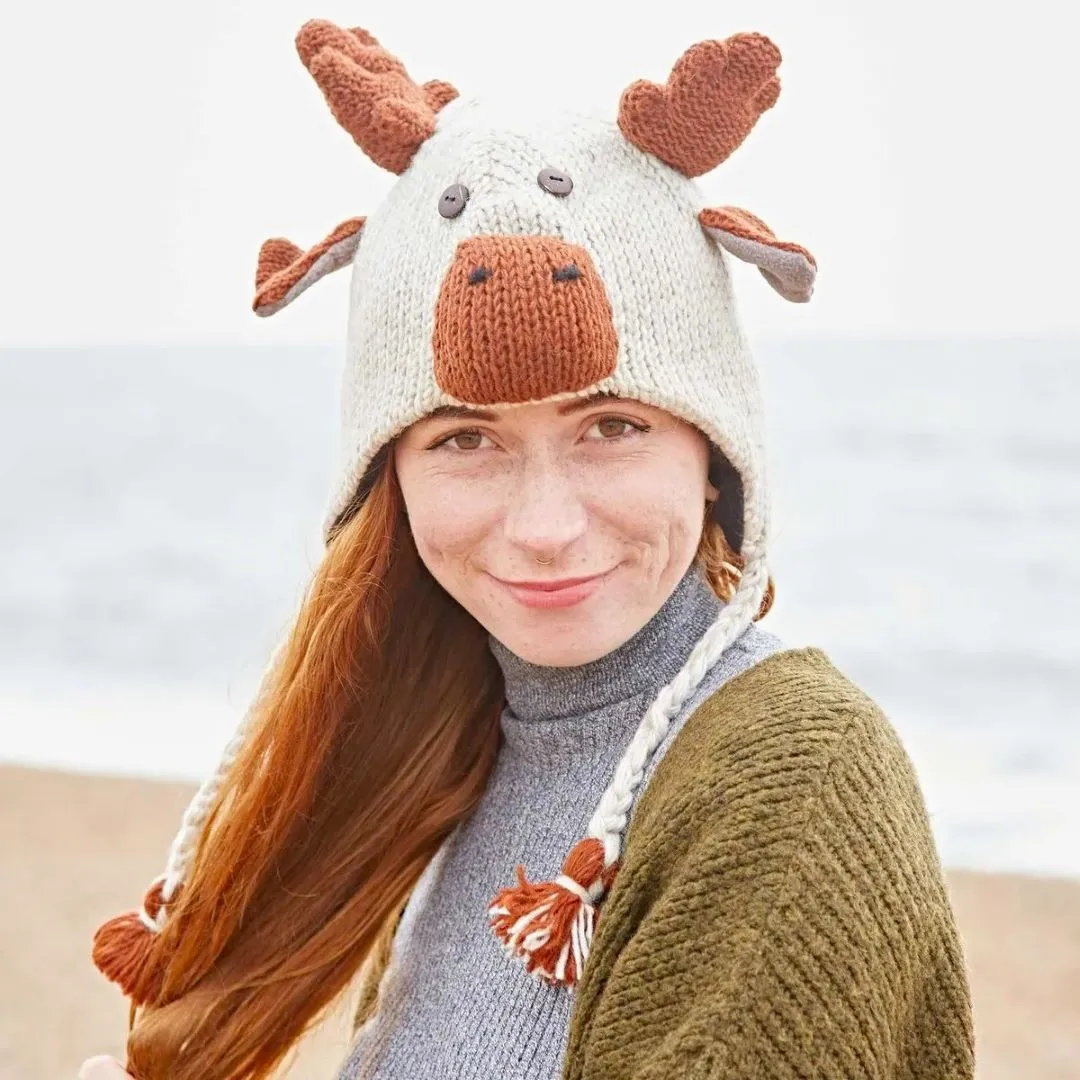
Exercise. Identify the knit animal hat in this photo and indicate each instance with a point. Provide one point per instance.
(520, 259)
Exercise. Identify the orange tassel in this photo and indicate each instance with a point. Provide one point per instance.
(550, 924)
(124, 948)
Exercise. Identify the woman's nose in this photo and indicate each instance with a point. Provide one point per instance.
(545, 512)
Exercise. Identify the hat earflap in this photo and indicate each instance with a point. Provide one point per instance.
(789, 268)
(284, 271)
(123, 949)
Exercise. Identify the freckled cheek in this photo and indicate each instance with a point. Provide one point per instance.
(449, 524)
(644, 507)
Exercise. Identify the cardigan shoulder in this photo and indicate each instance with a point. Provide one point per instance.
(775, 730)
(780, 908)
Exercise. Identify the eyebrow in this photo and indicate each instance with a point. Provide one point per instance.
(444, 412)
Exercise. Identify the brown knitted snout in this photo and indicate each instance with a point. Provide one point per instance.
(520, 318)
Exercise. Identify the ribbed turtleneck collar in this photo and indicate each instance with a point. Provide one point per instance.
(643, 663)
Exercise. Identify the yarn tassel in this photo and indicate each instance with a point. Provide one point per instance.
(550, 924)
(124, 948)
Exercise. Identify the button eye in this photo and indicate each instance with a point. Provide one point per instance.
(452, 201)
(555, 181)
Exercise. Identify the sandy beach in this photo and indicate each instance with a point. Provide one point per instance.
(77, 849)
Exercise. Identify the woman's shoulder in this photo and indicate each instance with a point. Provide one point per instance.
(780, 873)
(770, 737)
(794, 703)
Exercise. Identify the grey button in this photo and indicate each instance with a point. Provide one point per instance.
(452, 201)
(555, 181)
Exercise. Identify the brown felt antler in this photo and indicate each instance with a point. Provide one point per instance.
(713, 97)
(369, 92)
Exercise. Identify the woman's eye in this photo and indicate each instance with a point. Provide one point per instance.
(613, 428)
(472, 440)
(612, 425)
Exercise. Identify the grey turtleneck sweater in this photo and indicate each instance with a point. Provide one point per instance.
(452, 1005)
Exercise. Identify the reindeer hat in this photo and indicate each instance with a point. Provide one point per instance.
(526, 259)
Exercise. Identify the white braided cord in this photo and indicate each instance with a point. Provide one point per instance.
(198, 810)
(610, 818)
(183, 845)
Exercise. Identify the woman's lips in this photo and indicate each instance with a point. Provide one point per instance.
(553, 594)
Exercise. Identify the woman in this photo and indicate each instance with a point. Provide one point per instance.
(531, 647)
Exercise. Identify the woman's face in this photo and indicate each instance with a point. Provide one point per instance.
(608, 489)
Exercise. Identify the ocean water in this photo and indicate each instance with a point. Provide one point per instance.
(160, 513)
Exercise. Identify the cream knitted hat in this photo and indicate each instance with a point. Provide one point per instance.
(525, 258)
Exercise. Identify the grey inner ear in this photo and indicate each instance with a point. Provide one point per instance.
(334, 258)
(789, 273)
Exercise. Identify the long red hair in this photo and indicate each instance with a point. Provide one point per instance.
(371, 738)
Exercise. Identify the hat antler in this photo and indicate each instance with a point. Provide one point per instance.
(370, 93)
(713, 97)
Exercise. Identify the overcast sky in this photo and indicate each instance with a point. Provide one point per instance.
(925, 152)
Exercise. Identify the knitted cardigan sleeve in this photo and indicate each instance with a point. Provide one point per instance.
(780, 910)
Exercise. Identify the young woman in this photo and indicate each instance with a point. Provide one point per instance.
(526, 768)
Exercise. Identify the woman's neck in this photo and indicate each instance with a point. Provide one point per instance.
(642, 664)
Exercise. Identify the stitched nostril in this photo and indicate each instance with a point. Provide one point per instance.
(566, 273)
(478, 275)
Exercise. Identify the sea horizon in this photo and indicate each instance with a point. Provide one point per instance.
(162, 511)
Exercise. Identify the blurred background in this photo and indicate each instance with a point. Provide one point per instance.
(167, 456)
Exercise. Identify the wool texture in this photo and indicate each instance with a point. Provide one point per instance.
(284, 271)
(370, 93)
(781, 910)
(713, 97)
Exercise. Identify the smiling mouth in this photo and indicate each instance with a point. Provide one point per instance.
(554, 585)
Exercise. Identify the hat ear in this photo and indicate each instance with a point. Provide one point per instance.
(284, 271)
(789, 268)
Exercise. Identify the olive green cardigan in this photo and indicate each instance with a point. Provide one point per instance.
(780, 909)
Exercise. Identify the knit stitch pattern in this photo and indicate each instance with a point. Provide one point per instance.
(781, 910)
